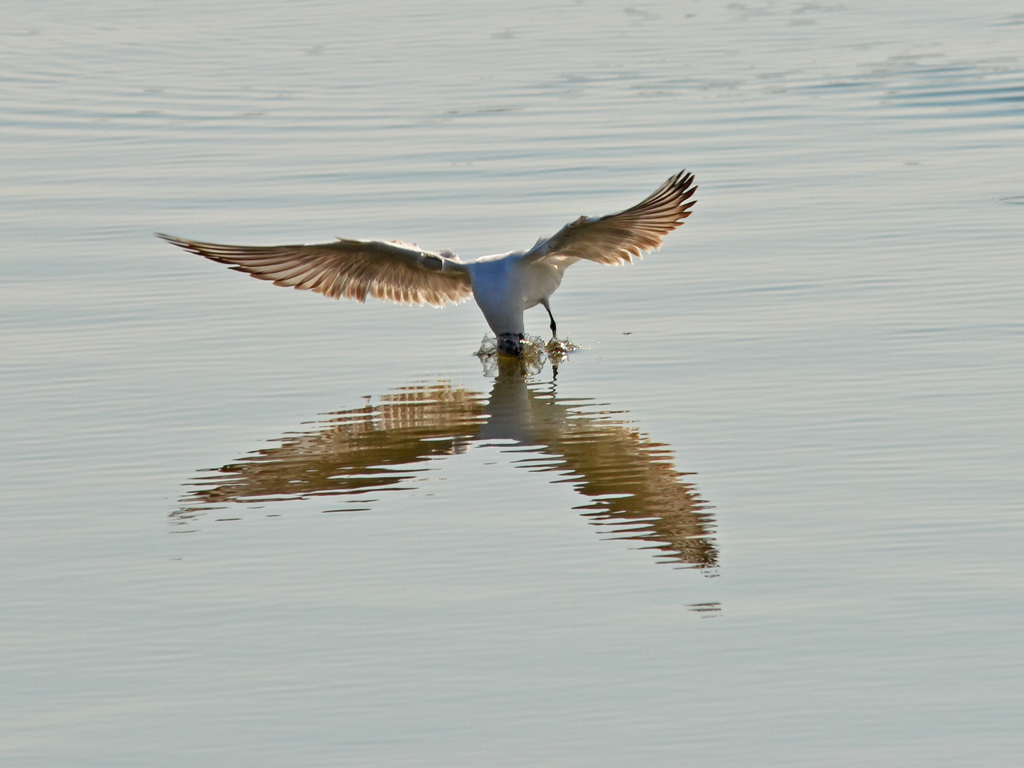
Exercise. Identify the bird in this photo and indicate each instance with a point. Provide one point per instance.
(504, 285)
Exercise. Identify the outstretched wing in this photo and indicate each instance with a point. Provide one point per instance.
(617, 238)
(354, 269)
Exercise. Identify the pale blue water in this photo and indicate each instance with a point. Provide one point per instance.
(831, 351)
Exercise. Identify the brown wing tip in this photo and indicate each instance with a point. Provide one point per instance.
(206, 250)
(188, 245)
(683, 182)
(169, 238)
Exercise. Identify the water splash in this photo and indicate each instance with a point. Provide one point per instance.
(536, 352)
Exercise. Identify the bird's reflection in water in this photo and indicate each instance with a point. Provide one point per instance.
(630, 487)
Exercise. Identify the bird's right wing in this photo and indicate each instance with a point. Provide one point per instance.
(619, 237)
(354, 269)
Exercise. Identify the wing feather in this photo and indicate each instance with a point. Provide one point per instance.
(621, 237)
(354, 269)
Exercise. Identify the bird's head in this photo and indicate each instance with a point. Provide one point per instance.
(511, 344)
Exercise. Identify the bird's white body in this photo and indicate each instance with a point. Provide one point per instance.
(504, 285)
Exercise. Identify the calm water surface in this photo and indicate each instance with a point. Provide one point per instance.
(770, 513)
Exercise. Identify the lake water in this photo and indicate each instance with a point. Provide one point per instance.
(770, 513)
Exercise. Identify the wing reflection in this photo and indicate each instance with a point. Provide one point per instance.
(631, 489)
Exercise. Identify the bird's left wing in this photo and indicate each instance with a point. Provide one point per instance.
(619, 237)
(354, 269)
